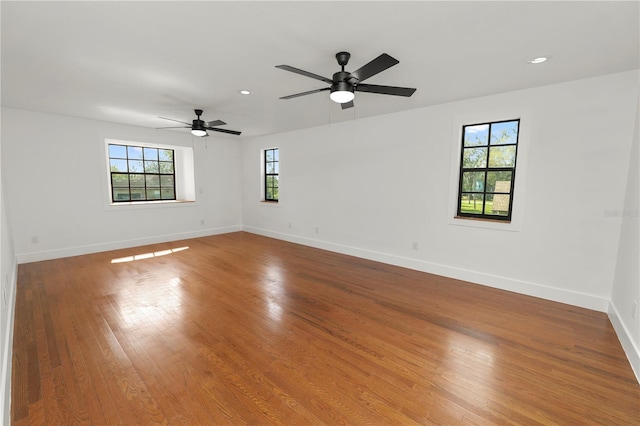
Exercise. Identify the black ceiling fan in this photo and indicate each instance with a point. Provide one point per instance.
(344, 84)
(199, 127)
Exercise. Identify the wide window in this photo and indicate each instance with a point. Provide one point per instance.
(488, 169)
(271, 174)
(141, 173)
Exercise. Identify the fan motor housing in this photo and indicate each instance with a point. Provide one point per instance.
(341, 86)
(341, 76)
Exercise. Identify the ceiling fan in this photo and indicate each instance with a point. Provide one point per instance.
(199, 127)
(344, 84)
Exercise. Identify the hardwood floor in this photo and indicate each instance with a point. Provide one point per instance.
(242, 329)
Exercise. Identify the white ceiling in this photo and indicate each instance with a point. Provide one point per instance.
(132, 62)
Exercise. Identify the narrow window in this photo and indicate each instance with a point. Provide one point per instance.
(141, 173)
(488, 169)
(271, 174)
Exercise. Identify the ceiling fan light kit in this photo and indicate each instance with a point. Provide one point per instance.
(199, 132)
(342, 92)
(344, 84)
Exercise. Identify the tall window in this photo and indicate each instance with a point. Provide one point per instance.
(141, 173)
(271, 174)
(488, 169)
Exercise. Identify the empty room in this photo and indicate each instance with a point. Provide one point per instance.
(299, 212)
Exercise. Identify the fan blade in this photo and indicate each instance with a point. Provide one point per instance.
(177, 127)
(305, 73)
(177, 121)
(379, 64)
(216, 123)
(346, 105)
(232, 132)
(385, 90)
(306, 93)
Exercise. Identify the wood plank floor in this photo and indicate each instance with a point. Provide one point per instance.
(243, 329)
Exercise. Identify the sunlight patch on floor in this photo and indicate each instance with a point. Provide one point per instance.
(147, 255)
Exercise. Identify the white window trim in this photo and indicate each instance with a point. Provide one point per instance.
(184, 172)
(519, 191)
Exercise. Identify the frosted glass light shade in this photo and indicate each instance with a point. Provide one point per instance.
(342, 96)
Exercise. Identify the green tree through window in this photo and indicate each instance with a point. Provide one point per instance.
(487, 169)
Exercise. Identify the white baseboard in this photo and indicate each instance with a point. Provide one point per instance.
(530, 289)
(629, 346)
(116, 245)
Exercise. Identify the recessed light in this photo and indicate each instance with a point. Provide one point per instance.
(245, 92)
(539, 60)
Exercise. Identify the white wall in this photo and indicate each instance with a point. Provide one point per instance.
(375, 186)
(626, 283)
(57, 187)
(8, 276)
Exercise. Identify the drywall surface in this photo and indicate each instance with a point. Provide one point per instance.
(384, 188)
(625, 296)
(57, 187)
(8, 275)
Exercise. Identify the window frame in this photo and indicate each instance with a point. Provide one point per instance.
(481, 112)
(184, 169)
(486, 170)
(144, 173)
(266, 175)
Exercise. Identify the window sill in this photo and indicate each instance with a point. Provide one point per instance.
(144, 203)
(269, 203)
(482, 219)
(133, 205)
(484, 223)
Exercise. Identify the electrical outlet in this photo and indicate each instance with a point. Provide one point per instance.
(634, 309)
(35, 239)
(289, 225)
(415, 245)
(317, 230)
(201, 221)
